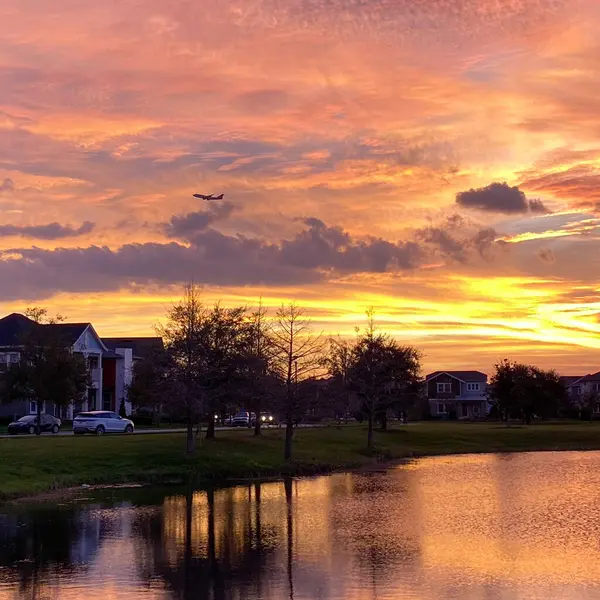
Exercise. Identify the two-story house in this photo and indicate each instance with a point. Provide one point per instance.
(462, 393)
(580, 389)
(118, 364)
(109, 361)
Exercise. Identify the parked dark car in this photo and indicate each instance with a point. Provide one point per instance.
(28, 424)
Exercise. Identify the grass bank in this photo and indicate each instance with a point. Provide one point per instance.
(34, 465)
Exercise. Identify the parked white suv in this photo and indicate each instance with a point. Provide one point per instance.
(101, 422)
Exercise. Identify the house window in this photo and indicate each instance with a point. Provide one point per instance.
(465, 410)
(92, 398)
(578, 390)
(13, 357)
(472, 387)
(476, 410)
(442, 408)
(444, 388)
(597, 387)
(33, 407)
(107, 402)
(93, 362)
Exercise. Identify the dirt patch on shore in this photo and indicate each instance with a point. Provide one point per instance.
(68, 495)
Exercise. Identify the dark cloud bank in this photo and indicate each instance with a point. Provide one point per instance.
(199, 252)
(51, 231)
(501, 198)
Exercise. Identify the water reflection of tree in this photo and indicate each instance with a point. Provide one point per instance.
(41, 543)
(289, 535)
(378, 527)
(233, 559)
(296, 538)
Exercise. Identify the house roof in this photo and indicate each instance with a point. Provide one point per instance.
(141, 346)
(70, 332)
(12, 328)
(111, 354)
(15, 325)
(462, 375)
(568, 380)
(591, 377)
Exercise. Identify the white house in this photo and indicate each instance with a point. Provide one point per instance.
(110, 363)
(584, 387)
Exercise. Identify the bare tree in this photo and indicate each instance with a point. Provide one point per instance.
(260, 353)
(184, 335)
(298, 356)
(225, 340)
(338, 362)
(41, 317)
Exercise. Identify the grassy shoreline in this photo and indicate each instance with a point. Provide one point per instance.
(36, 466)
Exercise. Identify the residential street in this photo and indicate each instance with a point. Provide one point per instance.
(69, 432)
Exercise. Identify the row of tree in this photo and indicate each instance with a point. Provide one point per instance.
(218, 359)
(522, 391)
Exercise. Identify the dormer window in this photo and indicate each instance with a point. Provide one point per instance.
(472, 387)
(444, 388)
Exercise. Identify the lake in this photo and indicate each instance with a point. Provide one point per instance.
(480, 527)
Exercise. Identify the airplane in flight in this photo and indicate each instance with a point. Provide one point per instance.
(209, 197)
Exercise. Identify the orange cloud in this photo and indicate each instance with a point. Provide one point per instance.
(370, 119)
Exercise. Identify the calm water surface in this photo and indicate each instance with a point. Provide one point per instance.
(497, 527)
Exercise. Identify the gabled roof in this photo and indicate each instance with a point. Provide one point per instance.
(569, 380)
(464, 376)
(70, 332)
(141, 346)
(13, 327)
(591, 377)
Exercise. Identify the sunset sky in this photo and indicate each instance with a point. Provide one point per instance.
(438, 160)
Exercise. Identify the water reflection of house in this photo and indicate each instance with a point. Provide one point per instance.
(86, 542)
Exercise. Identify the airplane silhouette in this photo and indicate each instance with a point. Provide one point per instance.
(209, 197)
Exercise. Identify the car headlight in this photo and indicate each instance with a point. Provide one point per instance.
(270, 418)
(264, 418)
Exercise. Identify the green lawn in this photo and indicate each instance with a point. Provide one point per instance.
(31, 465)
